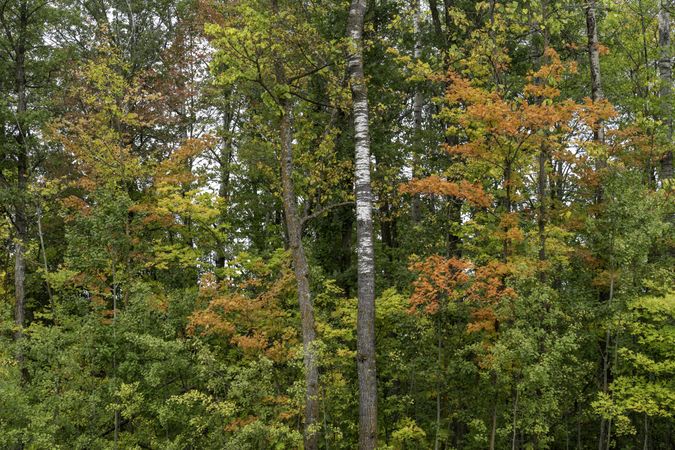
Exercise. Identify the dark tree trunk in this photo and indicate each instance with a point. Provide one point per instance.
(364, 234)
(597, 95)
(20, 220)
(454, 241)
(418, 101)
(541, 160)
(225, 163)
(666, 90)
(441, 31)
(438, 28)
(596, 80)
(541, 217)
(493, 425)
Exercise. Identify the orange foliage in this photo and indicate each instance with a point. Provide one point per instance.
(483, 319)
(499, 136)
(175, 170)
(487, 292)
(450, 279)
(255, 324)
(497, 129)
(488, 286)
(472, 193)
(509, 228)
(85, 183)
(77, 205)
(440, 279)
(237, 424)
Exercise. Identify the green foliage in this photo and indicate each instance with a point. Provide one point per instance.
(644, 382)
(161, 309)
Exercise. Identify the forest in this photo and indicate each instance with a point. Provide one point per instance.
(337, 224)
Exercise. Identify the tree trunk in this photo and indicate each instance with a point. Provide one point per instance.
(665, 92)
(596, 80)
(515, 415)
(19, 281)
(418, 101)
(493, 427)
(594, 61)
(225, 163)
(301, 268)
(599, 136)
(506, 202)
(20, 220)
(593, 51)
(365, 326)
(541, 219)
(542, 158)
(443, 42)
(417, 54)
(438, 28)
(439, 374)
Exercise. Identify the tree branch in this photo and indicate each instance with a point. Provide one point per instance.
(323, 210)
(308, 73)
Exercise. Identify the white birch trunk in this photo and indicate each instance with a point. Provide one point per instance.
(364, 234)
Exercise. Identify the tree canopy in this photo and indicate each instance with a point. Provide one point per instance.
(276, 224)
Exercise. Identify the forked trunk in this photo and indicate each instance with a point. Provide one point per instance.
(294, 228)
(300, 266)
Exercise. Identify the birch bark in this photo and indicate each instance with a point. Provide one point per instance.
(599, 136)
(364, 234)
(594, 60)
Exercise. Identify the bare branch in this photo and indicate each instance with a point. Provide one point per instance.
(321, 211)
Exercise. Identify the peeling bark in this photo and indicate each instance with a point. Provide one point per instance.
(364, 234)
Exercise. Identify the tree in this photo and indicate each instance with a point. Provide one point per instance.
(187, 171)
(665, 92)
(364, 231)
(279, 74)
(27, 66)
(641, 394)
